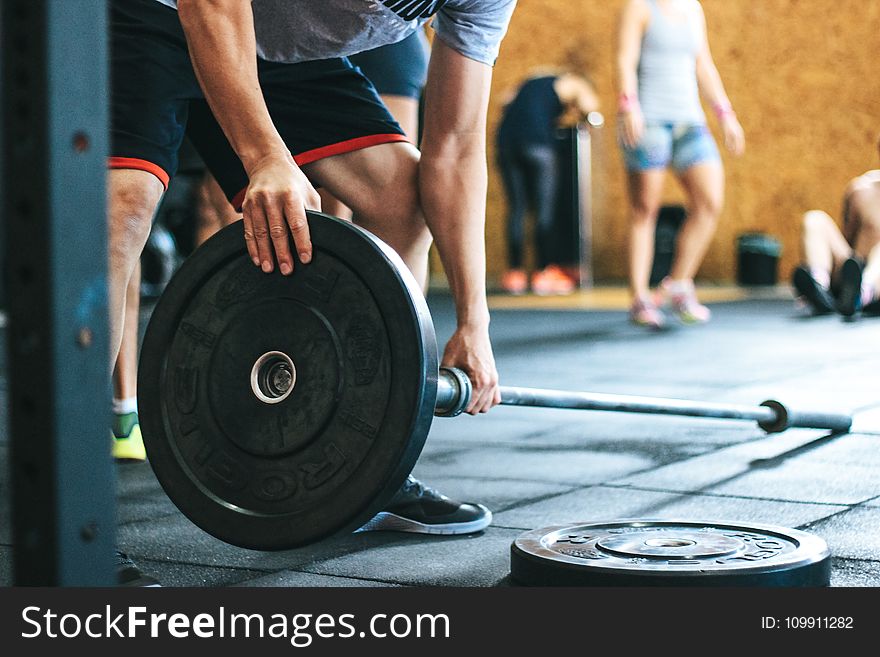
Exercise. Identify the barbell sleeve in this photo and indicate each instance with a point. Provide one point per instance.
(454, 390)
(787, 418)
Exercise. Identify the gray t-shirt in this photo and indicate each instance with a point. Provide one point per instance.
(305, 30)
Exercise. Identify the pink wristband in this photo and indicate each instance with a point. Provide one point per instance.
(627, 103)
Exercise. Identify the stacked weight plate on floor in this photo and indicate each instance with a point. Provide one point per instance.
(280, 410)
(670, 553)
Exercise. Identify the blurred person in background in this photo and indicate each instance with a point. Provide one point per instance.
(841, 268)
(663, 65)
(528, 158)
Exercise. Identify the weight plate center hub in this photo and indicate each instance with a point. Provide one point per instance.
(273, 377)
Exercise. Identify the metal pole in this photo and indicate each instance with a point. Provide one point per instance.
(583, 193)
(591, 401)
(54, 149)
(584, 184)
(454, 389)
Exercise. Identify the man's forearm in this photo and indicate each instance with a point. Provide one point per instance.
(222, 44)
(453, 193)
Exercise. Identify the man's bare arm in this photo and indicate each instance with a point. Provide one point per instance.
(222, 44)
(453, 185)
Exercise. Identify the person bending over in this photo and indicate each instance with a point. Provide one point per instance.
(269, 100)
(398, 72)
(529, 163)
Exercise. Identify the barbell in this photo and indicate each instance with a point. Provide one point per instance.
(454, 391)
(280, 410)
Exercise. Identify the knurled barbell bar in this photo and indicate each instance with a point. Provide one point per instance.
(454, 391)
(280, 410)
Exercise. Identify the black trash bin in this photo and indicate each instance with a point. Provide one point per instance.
(758, 259)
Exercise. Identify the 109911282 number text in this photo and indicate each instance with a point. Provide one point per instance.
(808, 623)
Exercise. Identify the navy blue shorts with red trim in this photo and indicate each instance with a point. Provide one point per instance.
(320, 108)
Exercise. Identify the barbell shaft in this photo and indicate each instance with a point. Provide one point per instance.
(454, 389)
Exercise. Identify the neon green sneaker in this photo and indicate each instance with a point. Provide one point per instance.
(128, 445)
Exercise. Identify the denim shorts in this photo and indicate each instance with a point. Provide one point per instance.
(682, 145)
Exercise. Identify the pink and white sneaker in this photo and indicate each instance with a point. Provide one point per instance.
(643, 312)
(682, 298)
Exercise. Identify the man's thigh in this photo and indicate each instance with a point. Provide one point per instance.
(376, 182)
(322, 110)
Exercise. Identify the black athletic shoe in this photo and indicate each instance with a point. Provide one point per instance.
(818, 297)
(422, 510)
(850, 298)
(129, 574)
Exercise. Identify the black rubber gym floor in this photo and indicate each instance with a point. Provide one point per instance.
(536, 467)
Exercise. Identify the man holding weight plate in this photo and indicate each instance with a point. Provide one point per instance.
(264, 91)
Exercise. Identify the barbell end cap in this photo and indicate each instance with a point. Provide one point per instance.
(780, 423)
(454, 391)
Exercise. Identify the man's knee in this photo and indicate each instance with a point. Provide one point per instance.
(401, 209)
(404, 218)
(396, 208)
(133, 203)
(816, 220)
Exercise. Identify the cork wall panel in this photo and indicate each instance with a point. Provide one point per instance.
(802, 76)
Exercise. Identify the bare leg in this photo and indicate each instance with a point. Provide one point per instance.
(380, 185)
(825, 247)
(867, 247)
(333, 206)
(125, 373)
(406, 111)
(133, 197)
(871, 274)
(213, 210)
(704, 186)
(645, 193)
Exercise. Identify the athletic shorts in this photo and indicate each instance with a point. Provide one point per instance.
(681, 145)
(320, 108)
(399, 69)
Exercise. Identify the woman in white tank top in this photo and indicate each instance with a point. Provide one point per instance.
(664, 64)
